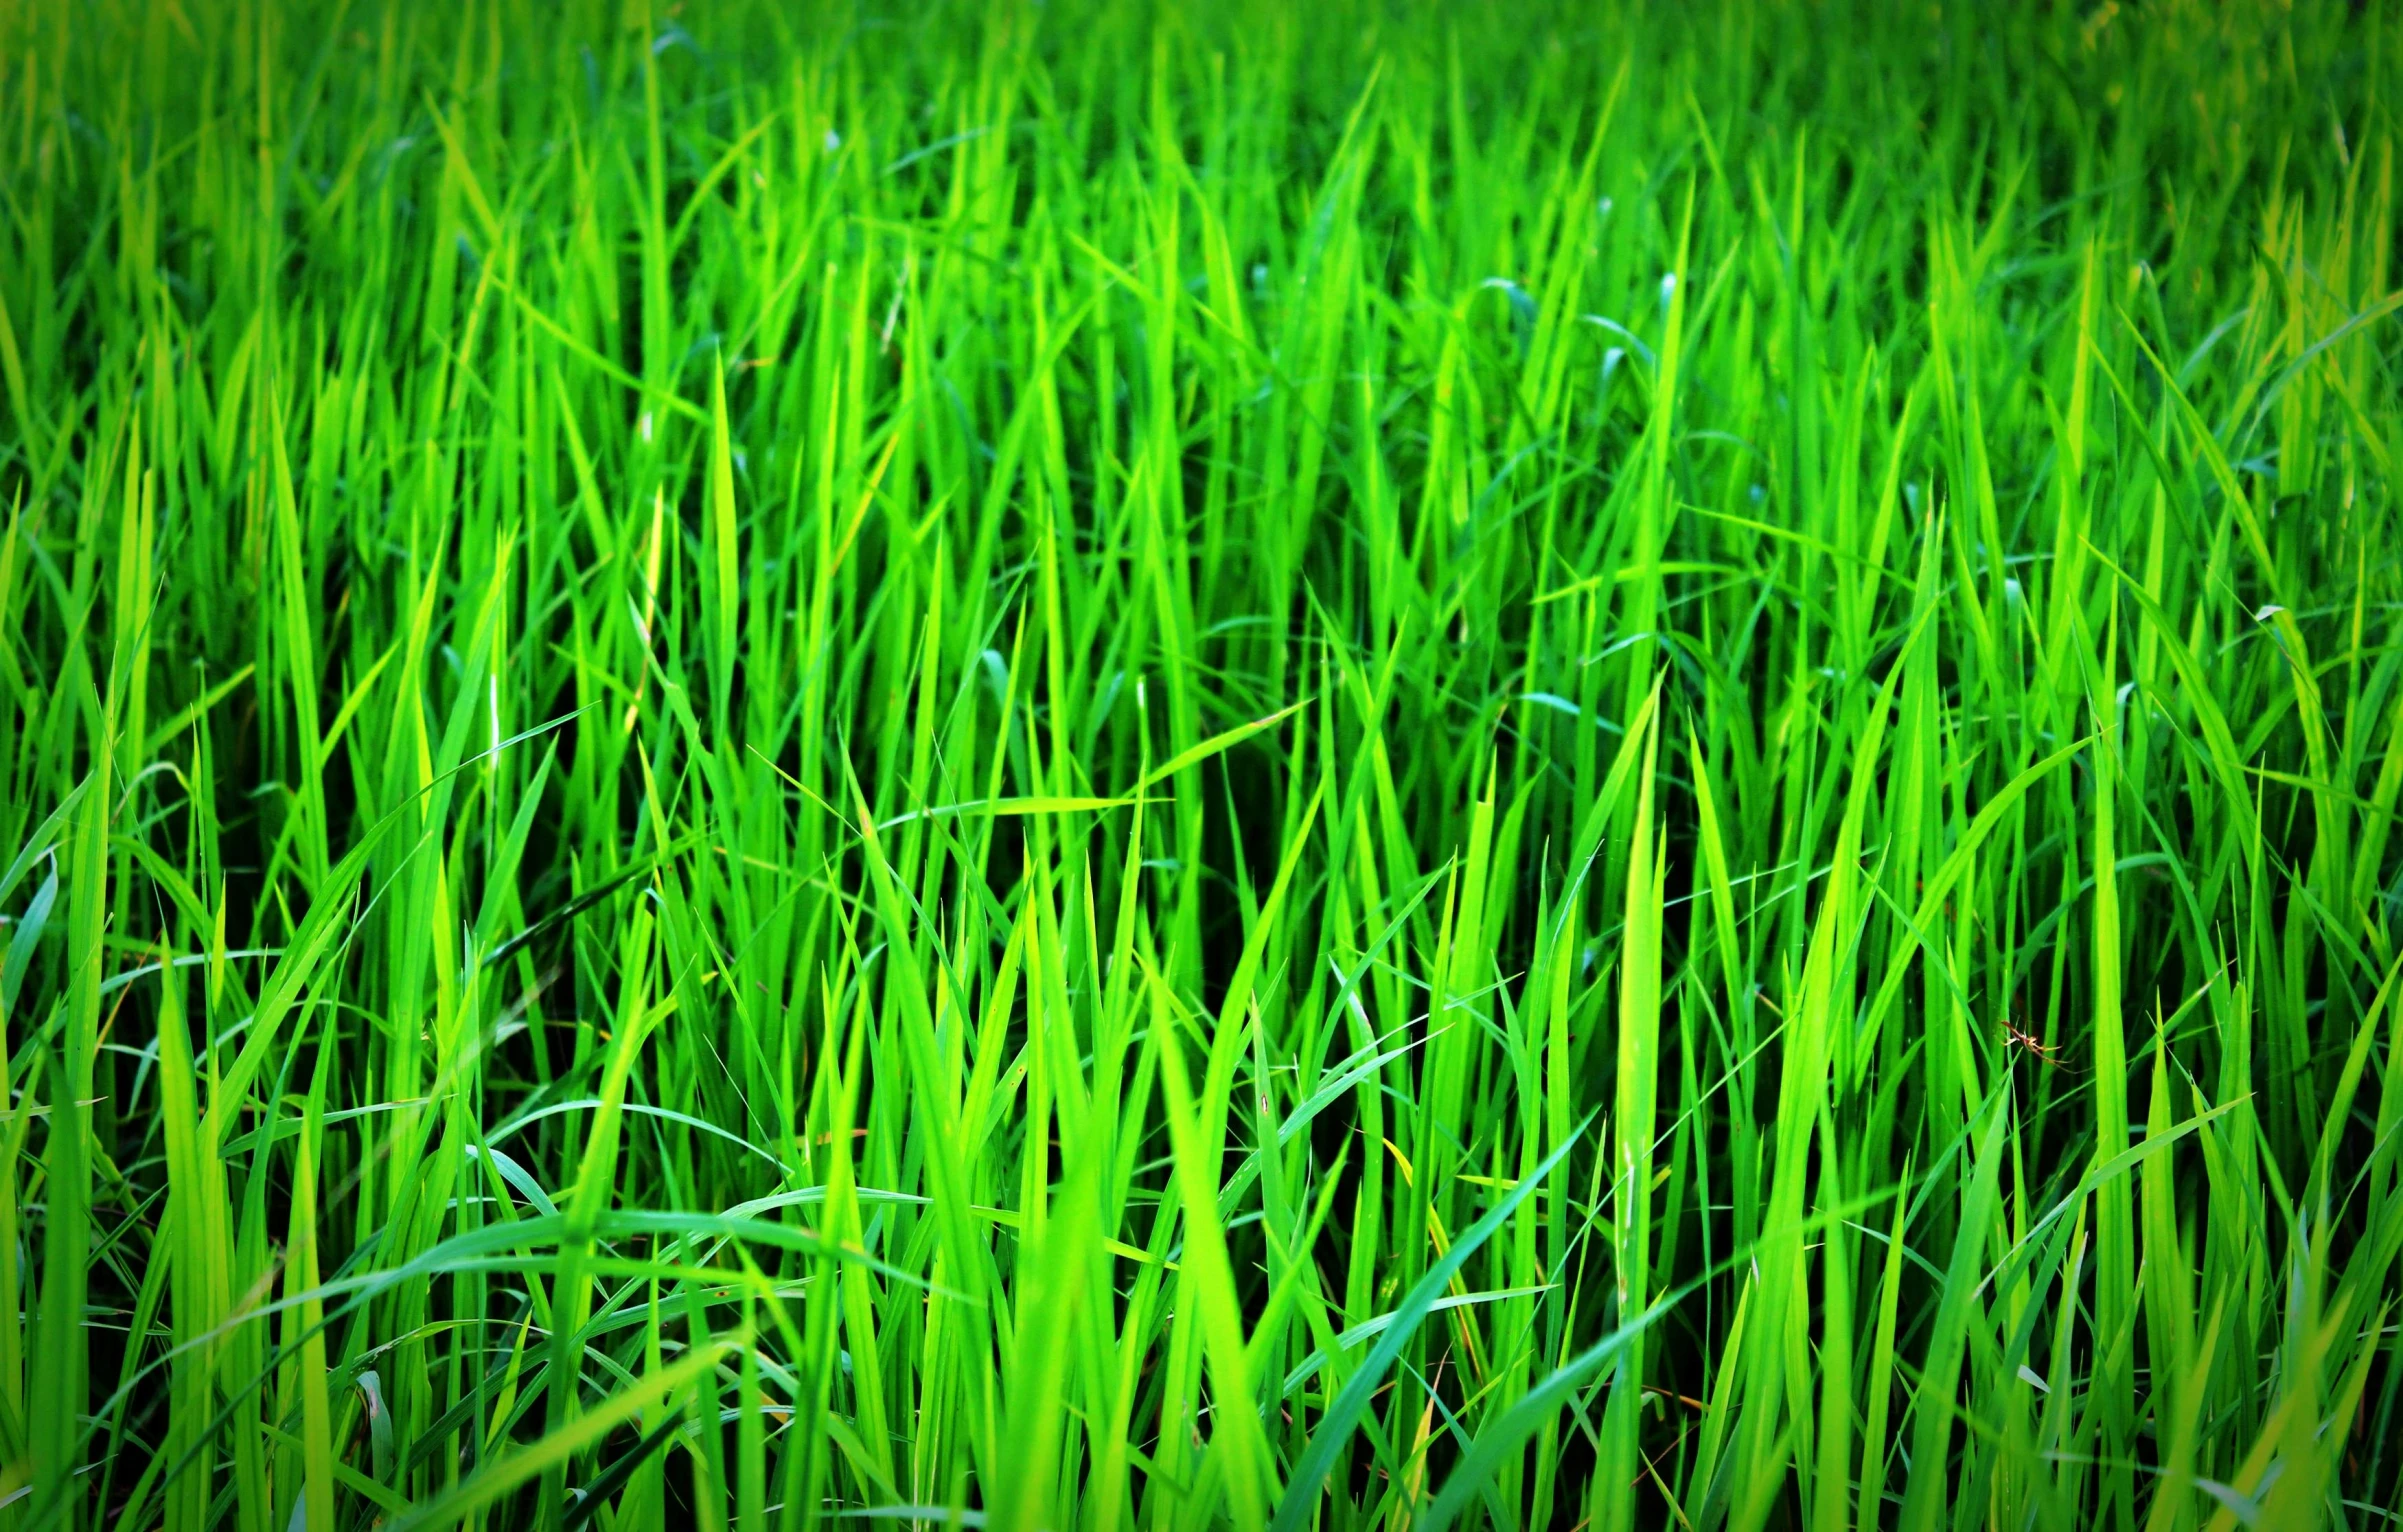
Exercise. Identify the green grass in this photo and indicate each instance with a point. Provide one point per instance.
(1122, 767)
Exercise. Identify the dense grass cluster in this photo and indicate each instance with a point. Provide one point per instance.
(1111, 767)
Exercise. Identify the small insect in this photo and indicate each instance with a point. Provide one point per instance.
(2048, 1054)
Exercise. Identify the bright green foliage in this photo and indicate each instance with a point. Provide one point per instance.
(1122, 767)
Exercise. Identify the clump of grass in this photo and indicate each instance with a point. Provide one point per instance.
(1103, 767)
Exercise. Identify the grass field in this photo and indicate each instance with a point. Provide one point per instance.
(1109, 767)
